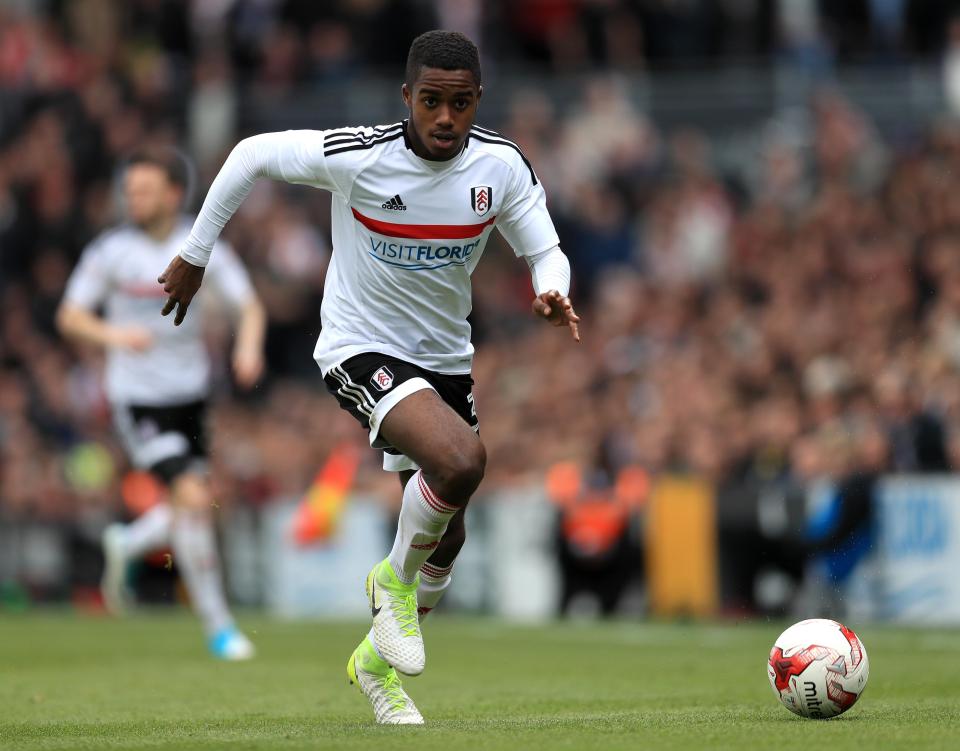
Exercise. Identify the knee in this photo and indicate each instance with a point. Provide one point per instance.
(190, 492)
(458, 474)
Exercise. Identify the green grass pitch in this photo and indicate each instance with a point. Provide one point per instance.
(69, 682)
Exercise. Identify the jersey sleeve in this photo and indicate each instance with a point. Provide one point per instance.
(92, 278)
(524, 220)
(298, 157)
(229, 277)
(549, 269)
(293, 156)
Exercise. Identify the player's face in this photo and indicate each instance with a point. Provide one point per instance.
(443, 106)
(150, 195)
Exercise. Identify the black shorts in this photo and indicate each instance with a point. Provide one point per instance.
(167, 441)
(368, 386)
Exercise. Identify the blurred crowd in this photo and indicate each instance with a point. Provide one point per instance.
(286, 41)
(792, 315)
(799, 315)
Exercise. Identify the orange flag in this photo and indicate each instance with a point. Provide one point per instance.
(319, 512)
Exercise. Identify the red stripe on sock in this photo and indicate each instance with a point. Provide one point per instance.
(431, 498)
(440, 569)
(435, 572)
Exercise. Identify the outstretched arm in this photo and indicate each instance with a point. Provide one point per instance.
(550, 270)
(291, 156)
(87, 290)
(79, 324)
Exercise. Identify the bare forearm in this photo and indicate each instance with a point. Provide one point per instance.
(248, 353)
(251, 327)
(79, 324)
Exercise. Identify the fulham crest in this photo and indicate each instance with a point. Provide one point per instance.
(382, 379)
(480, 199)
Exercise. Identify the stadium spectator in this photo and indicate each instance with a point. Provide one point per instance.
(714, 264)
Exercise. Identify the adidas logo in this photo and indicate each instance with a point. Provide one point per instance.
(394, 204)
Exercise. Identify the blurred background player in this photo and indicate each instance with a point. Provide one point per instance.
(157, 383)
(413, 206)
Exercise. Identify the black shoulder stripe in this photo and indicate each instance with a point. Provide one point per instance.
(478, 131)
(363, 138)
(490, 132)
(511, 144)
(358, 129)
(340, 148)
(344, 131)
(337, 137)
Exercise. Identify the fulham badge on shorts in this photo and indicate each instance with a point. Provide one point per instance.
(382, 379)
(481, 197)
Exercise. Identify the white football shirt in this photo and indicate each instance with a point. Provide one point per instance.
(118, 272)
(407, 232)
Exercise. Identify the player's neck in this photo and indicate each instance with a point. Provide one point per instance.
(160, 228)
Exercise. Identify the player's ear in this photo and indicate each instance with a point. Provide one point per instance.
(406, 94)
(479, 92)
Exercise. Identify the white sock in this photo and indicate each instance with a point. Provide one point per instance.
(423, 520)
(149, 531)
(195, 553)
(434, 581)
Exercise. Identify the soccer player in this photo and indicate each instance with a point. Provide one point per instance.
(413, 206)
(157, 382)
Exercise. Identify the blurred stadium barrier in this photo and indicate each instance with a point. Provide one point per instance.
(903, 569)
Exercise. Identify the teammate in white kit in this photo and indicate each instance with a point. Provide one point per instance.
(413, 206)
(157, 383)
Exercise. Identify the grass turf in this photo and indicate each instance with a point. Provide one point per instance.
(69, 682)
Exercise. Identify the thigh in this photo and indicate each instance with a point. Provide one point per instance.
(457, 391)
(371, 386)
(191, 490)
(425, 428)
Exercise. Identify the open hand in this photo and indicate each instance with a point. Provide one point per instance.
(181, 280)
(558, 310)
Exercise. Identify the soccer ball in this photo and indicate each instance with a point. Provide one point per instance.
(818, 668)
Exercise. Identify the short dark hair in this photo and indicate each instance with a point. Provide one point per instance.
(447, 50)
(171, 161)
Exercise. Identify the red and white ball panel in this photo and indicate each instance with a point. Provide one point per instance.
(818, 668)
